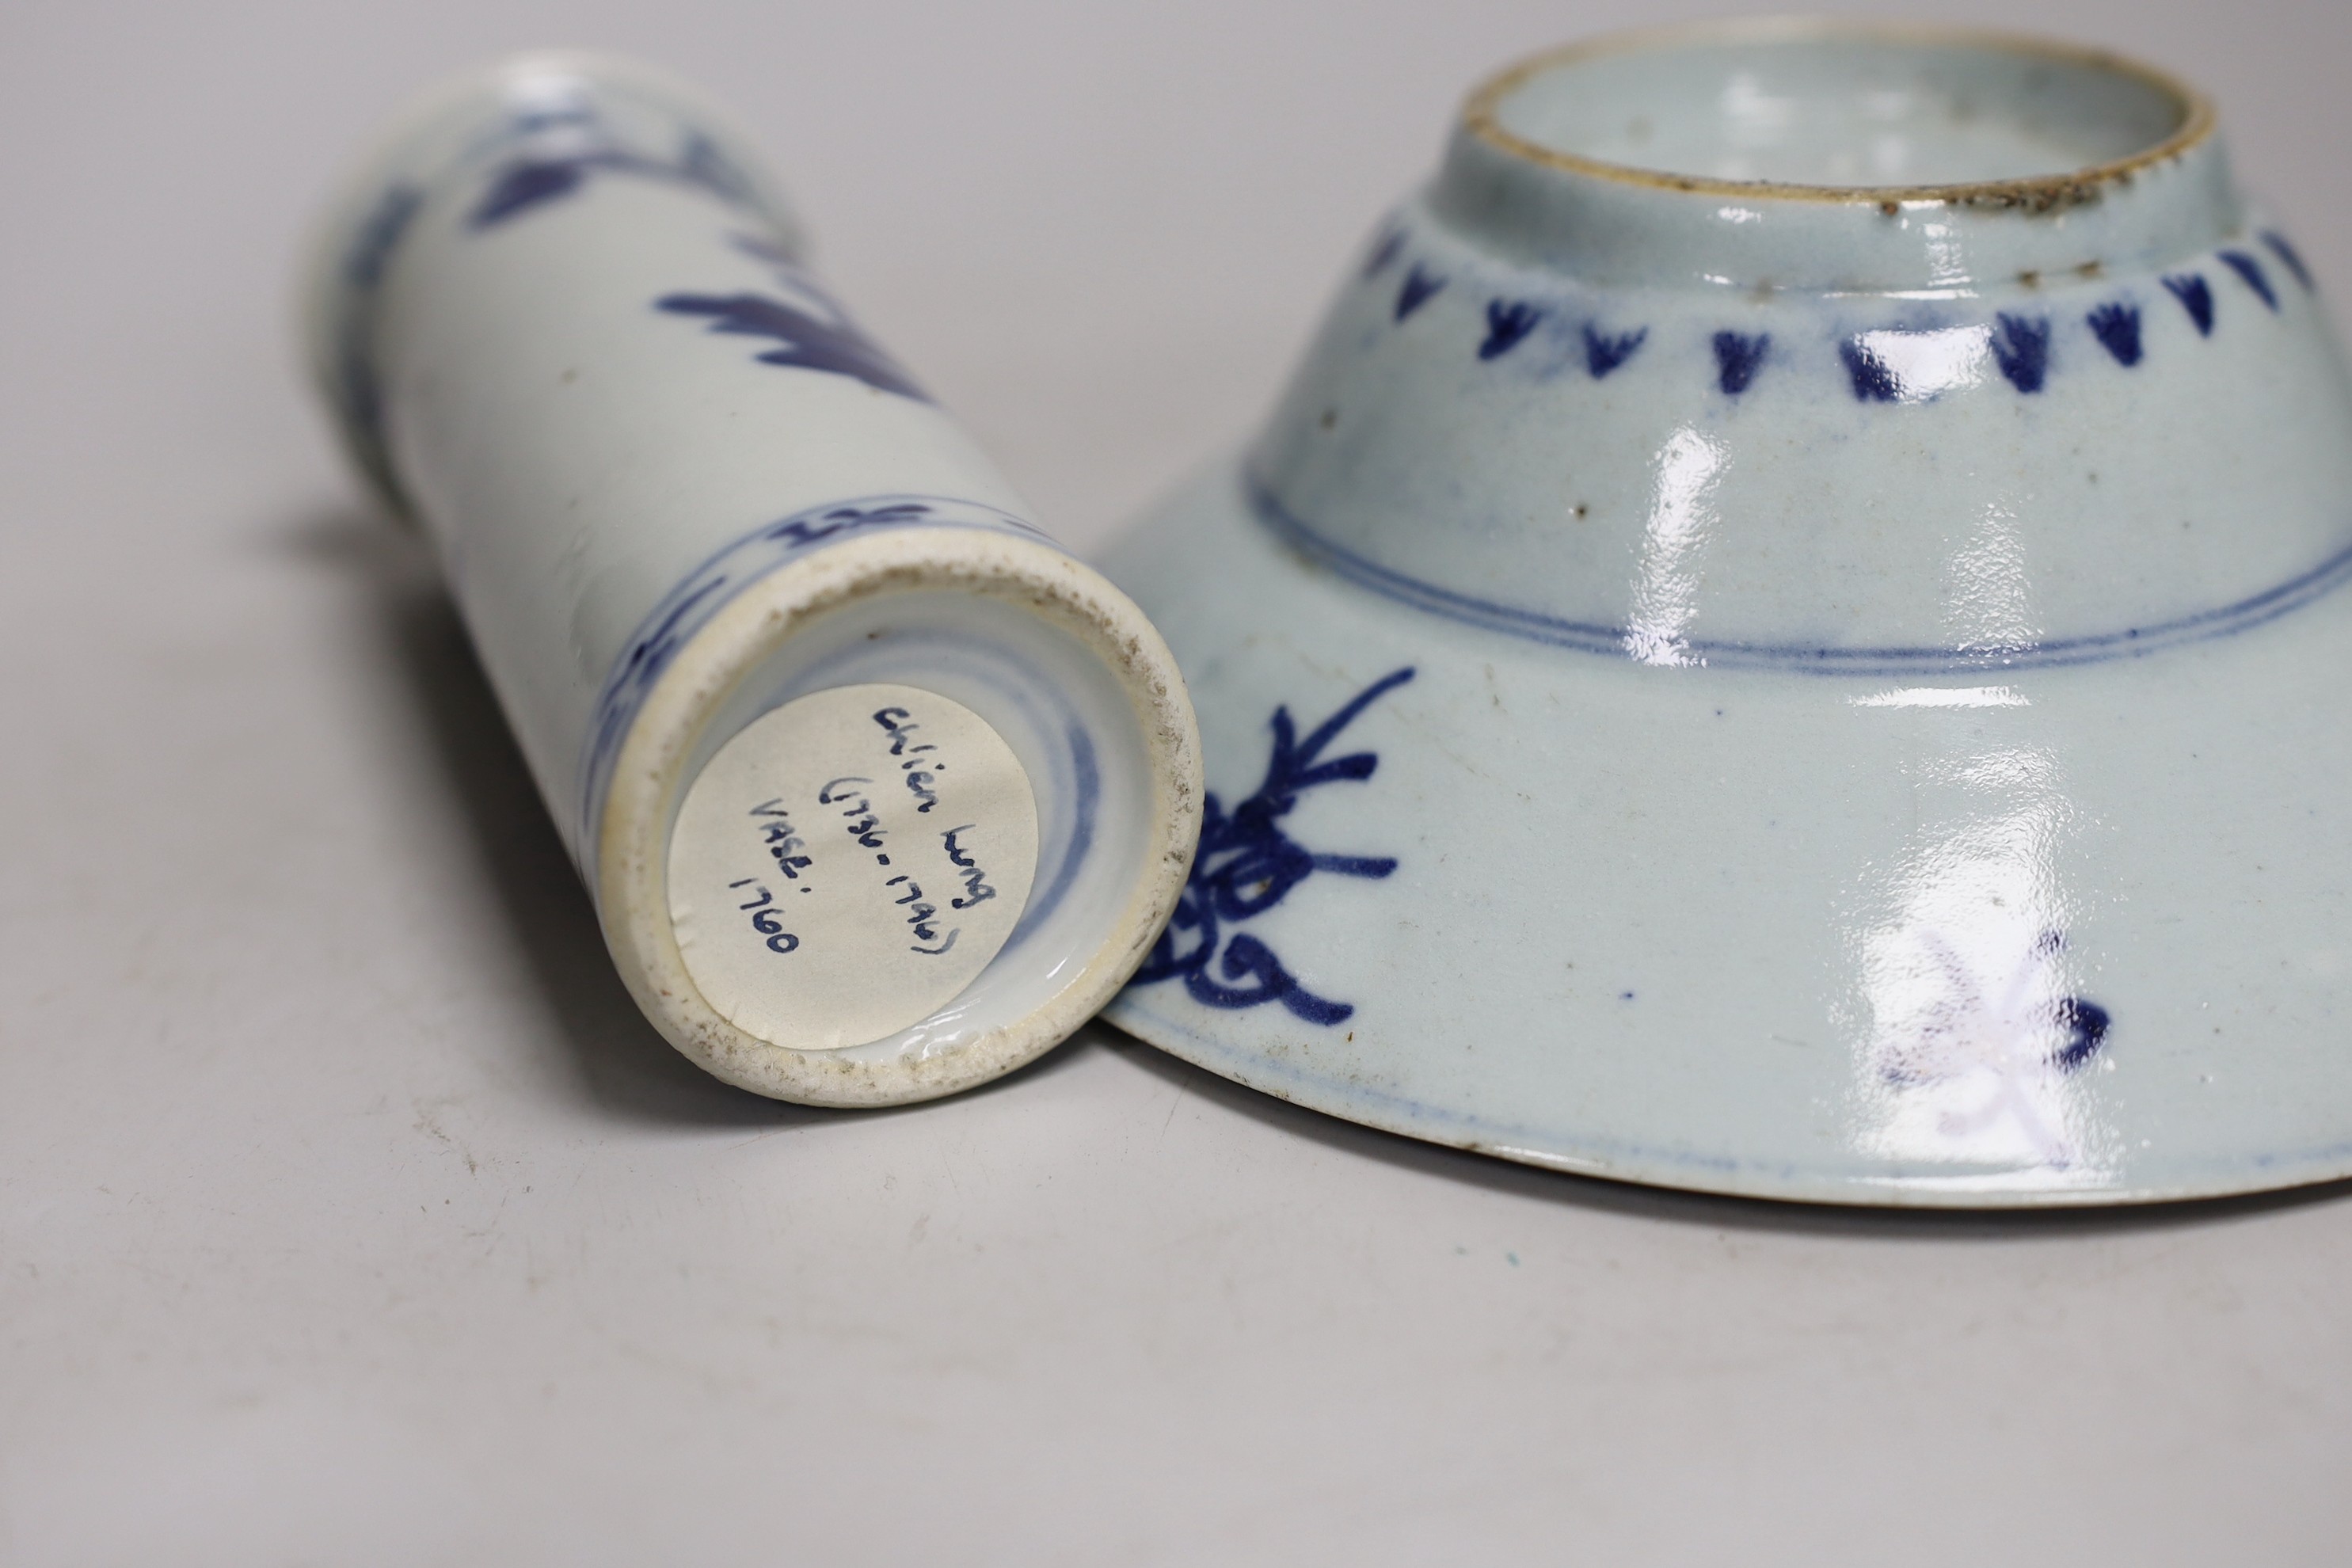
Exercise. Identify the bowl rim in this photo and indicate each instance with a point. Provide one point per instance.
(1480, 116)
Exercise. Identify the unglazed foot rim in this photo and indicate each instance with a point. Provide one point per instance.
(648, 782)
(2037, 193)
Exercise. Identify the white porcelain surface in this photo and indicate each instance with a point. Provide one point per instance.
(674, 487)
(353, 1216)
(1816, 692)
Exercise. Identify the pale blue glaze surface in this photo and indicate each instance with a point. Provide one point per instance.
(1873, 730)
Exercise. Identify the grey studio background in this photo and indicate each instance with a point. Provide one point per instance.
(348, 1213)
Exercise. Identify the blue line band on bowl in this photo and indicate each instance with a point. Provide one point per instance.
(1590, 636)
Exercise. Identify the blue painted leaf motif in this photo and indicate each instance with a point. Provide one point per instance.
(2021, 346)
(2286, 252)
(1384, 252)
(1419, 288)
(533, 180)
(2247, 267)
(2116, 325)
(807, 342)
(1874, 379)
(1983, 1015)
(2083, 1020)
(1738, 357)
(1507, 322)
(1605, 351)
(1246, 864)
(521, 186)
(2196, 297)
(2086, 1023)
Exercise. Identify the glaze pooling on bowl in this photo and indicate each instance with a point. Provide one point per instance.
(1785, 686)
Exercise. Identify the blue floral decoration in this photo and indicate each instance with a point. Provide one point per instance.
(803, 339)
(2025, 348)
(533, 180)
(1247, 864)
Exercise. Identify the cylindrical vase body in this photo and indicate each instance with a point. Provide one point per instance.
(879, 792)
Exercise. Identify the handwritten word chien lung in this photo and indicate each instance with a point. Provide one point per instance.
(920, 770)
(863, 825)
(976, 887)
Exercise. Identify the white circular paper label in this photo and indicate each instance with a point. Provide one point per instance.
(848, 863)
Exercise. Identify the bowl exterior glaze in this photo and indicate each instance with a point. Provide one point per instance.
(1816, 695)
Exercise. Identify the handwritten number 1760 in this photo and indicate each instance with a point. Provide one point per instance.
(763, 918)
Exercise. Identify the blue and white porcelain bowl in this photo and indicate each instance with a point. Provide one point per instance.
(1787, 639)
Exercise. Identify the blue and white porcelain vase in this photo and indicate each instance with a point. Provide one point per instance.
(880, 794)
(1786, 639)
